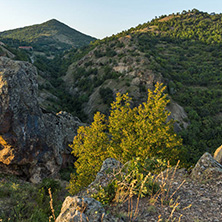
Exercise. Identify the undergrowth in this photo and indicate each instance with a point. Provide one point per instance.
(21, 201)
(132, 183)
(129, 184)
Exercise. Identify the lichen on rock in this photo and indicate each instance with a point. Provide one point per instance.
(206, 168)
(33, 144)
(84, 208)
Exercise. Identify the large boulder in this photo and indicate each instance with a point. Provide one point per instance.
(178, 114)
(206, 168)
(103, 177)
(84, 208)
(78, 209)
(218, 155)
(33, 142)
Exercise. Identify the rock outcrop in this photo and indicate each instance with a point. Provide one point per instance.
(206, 168)
(178, 114)
(77, 209)
(85, 208)
(103, 177)
(33, 142)
(5, 52)
(199, 196)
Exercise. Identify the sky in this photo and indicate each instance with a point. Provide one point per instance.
(97, 18)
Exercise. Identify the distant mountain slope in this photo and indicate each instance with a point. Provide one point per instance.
(51, 35)
(193, 24)
(182, 50)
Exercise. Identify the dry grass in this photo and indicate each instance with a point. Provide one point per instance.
(128, 197)
(51, 206)
(165, 197)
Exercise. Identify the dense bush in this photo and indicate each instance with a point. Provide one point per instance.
(132, 179)
(193, 72)
(127, 133)
(22, 201)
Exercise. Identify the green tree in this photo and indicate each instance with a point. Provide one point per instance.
(144, 130)
(90, 146)
(127, 133)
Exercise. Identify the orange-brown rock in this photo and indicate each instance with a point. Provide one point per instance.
(218, 155)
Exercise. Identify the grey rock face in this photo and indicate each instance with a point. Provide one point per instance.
(33, 143)
(103, 177)
(85, 208)
(80, 209)
(178, 114)
(206, 168)
(109, 164)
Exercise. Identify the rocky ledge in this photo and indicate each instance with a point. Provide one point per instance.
(188, 197)
(33, 143)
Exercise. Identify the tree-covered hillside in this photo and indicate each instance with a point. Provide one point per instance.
(192, 24)
(182, 50)
(51, 36)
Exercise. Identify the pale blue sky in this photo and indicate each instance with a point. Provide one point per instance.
(98, 18)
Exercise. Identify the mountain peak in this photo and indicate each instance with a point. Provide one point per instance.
(53, 21)
(47, 36)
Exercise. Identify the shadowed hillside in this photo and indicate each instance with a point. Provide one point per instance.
(182, 50)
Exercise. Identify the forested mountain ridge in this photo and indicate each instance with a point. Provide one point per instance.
(84, 80)
(182, 50)
(165, 49)
(191, 24)
(51, 36)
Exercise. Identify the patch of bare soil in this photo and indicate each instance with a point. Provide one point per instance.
(165, 19)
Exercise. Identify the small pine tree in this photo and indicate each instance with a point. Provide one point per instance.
(90, 146)
(142, 132)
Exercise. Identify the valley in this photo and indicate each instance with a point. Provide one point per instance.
(63, 77)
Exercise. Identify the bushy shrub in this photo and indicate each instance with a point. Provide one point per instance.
(133, 179)
(127, 133)
(50, 183)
